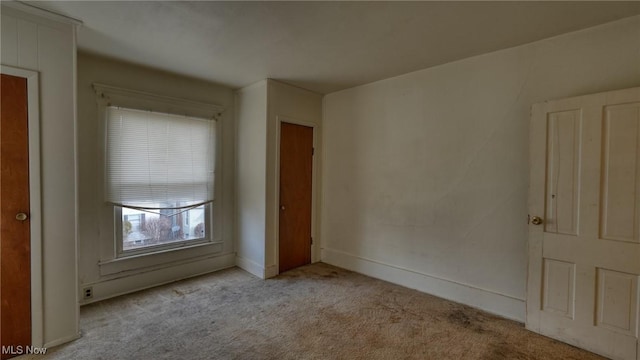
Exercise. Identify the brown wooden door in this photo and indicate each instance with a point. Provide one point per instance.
(296, 174)
(15, 264)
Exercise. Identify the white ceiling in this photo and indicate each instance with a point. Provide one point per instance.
(321, 46)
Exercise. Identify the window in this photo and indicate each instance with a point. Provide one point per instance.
(142, 229)
(160, 173)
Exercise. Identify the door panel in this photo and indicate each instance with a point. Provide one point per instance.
(296, 174)
(563, 151)
(617, 299)
(15, 274)
(584, 260)
(620, 173)
(557, 289)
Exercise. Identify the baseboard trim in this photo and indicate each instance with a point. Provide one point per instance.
(61, 341)
(106, 289)
(271, 271)
(250, 266)
(495, 303)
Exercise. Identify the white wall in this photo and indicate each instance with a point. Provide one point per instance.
(425, 174)
(260, 109)
(251, 148)
(96, 219)
(48, 47)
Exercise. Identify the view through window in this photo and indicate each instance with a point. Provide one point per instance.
(142, 229)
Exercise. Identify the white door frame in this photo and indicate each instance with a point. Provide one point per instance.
(35, 211)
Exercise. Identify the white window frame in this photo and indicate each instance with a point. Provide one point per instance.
(113, 259)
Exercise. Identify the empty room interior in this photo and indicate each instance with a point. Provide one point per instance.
(320, 180)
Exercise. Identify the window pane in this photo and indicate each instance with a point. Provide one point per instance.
(142, 229)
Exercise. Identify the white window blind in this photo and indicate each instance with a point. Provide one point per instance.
(157, 160)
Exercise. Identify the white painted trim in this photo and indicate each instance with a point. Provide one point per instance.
(62, 340)
(35, 196)
(250, 266)
(151, 261)
(147, 101)
(40, 12)
(106, 289)
(235, 208)
(487, 300)
(315, 247)
(271, 271)
(76, 176)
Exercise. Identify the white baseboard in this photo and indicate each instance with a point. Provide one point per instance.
(499, 304)
(61, 341)
(250, 266)
(115, 287)
(271, 271)
(255, 269)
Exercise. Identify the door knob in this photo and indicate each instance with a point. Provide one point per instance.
(21, 216)
(536, 220)
(282, 208)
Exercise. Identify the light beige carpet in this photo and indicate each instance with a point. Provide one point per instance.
(314, 312)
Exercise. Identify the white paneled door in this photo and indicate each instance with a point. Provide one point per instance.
(584, 219)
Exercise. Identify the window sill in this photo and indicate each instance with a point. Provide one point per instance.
(158, 259)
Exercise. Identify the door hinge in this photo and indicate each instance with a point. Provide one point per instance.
(313, 151)
(311, 241)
